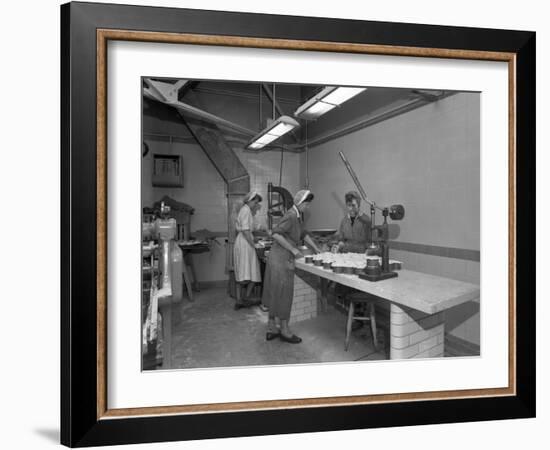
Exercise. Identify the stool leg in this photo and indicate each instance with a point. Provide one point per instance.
(188, 261)
(373, 325)
(348, 324)
(187, 281)
(194, 274)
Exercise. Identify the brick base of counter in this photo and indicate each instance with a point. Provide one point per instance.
(304, 304)
(415, 334)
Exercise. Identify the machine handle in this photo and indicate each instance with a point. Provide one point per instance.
(357, 183)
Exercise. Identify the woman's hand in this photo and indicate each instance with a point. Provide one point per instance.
(249, 238)
(297, 253)
(312, 244)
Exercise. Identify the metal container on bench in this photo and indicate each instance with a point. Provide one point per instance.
(373, 267)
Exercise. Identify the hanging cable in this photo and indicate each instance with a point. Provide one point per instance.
(281, 168)
(260, 103)
(307, 162)
(273, 101)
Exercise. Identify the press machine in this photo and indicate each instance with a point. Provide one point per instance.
(379, 244)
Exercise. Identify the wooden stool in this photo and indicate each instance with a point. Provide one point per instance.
(361, 297)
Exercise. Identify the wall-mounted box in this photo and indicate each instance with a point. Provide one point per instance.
(167, 170)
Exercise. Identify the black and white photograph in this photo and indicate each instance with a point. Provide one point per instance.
(275, 225)
(307, 224)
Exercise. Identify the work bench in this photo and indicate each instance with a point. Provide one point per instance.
(417, 305)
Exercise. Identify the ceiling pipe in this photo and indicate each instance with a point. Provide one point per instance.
(191, 110)
(184, 108)
(156, 95)
(153, 93)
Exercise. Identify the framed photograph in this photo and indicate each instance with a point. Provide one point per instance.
(279, 224)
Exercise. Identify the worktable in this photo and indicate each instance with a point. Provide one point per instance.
(417, 305)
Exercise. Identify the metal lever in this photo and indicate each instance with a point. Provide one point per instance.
(357, 183)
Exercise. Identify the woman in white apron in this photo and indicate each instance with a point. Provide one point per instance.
(245, 260)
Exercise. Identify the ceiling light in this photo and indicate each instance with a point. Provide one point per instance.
(324, 101)
(274, 131)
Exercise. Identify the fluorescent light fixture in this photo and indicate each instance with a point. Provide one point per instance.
(281, 128)
(274, 131)
(316, 110)
(342, 94)
(267, 139)
(329, 98)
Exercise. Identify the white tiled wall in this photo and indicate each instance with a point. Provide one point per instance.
(304, 303)
(205, 190)
(415, 334)
(264, 167)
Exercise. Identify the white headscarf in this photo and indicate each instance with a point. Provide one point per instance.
(301, 196)
(250, 196)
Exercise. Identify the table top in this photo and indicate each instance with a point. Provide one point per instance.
(194, 245)
(427, 293)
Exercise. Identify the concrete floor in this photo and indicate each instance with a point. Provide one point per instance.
(210, 333)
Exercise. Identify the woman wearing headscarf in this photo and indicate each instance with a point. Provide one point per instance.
(245, 260)
(278, 289)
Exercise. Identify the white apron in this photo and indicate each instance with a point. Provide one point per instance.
(245, 260)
